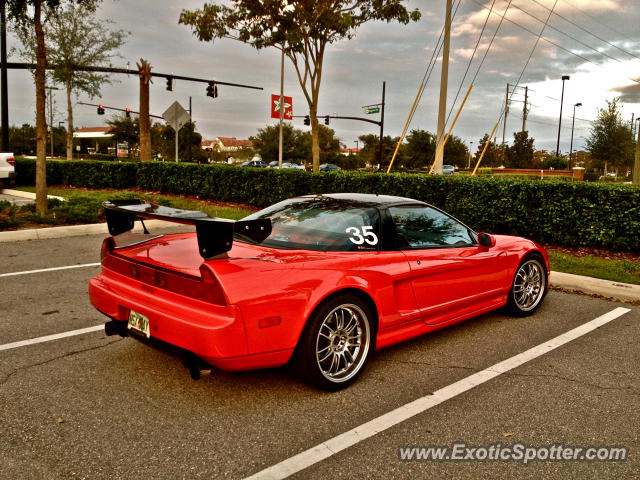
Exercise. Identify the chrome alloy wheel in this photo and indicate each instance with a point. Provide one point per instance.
(343, 342)
(529, 285)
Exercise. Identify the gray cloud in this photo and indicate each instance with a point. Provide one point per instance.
(354, 70)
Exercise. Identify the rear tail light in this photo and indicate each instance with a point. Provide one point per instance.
(11, 161)
(105, 249)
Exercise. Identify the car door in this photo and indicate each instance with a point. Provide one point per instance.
(451, 274)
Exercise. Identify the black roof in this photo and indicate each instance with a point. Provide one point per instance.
(367, 199)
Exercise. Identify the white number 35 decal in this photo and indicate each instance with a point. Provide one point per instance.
(366, 235)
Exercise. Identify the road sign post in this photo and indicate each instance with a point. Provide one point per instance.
(177, 117)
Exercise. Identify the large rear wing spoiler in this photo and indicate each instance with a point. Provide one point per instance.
(215, 235)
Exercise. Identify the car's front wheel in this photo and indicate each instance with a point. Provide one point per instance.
(335, 344)
(528, 288)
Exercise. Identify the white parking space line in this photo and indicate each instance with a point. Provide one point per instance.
(54, 269)
(341, 442)
(48, 338)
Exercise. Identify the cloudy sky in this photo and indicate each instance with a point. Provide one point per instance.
(596, 42)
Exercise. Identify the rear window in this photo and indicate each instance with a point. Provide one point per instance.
(319, 224)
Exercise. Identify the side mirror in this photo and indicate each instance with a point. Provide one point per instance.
(486, 240)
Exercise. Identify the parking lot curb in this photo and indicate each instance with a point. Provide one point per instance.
(29, 195)
(624, 292)
(69, 231)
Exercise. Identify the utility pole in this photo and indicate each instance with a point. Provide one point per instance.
(51, 115)
(281, 109)
(636, 165)
(4, 95)
(384, 85)
(525, 110)
(444, 78)
(504, 124)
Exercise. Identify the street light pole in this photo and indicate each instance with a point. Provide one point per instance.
(564, 77)
(573, 122)
(357, 149)
(4, 95)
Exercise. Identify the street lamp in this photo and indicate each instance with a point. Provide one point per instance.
(573, 122)
(564, 77)
(357, 149)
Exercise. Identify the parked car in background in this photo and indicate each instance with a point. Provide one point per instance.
(273, 164)
(292, 165)
(7, 168)
(329, 167)
(448, 169)
(254, 163)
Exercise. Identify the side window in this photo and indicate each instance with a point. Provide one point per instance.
(423, 227)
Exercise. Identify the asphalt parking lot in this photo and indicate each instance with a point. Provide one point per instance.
(91, 406)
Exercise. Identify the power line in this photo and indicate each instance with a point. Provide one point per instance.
(567, 35)
(587, 31)
(550, 41)
(595, 19)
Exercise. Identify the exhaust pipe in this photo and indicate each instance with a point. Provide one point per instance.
(196, 366)
(114, 327)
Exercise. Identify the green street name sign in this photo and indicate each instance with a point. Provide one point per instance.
(372, 110)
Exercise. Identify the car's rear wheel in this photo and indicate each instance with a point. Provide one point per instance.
(528, 288)
(335, 344)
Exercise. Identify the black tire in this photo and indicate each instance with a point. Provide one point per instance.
(528, 287)
(326, 357)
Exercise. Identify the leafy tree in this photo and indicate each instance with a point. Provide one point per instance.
(610, 141)
(329, 145)
(300, 28)
(349, 162)
(296, 144)
(75, 38)
(295, 147)
(493, 155)
(23, 139)
(28, 14)
(371, 146)
(456, 152)
(189, 143)
(520, 154)
(125, 130)
(555, 163)
(420, 149)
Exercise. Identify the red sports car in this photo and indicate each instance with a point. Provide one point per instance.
(320, 281)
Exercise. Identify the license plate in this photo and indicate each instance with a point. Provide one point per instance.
(139, 322)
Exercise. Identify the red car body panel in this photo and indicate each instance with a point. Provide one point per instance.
(269, 294)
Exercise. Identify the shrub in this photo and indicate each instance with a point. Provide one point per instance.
(562, 213)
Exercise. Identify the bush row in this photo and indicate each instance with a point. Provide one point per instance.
(560, 213)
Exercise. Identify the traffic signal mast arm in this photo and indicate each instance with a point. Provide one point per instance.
(102, 105)
(28, 66)
(342, 118)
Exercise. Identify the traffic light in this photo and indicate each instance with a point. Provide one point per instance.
(307, 120)
(127, 112)
(326, 120)
(212, 90)
(170, 83)
(100, 109)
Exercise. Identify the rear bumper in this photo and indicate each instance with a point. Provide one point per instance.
(215, 333)
(7, 174)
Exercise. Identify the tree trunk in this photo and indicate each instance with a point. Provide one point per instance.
(315, 144)
(69, 88)
(41, 122)
(144, 69)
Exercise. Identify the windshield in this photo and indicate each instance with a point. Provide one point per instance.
(320, 223)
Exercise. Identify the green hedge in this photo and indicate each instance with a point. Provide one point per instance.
(560, 213)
